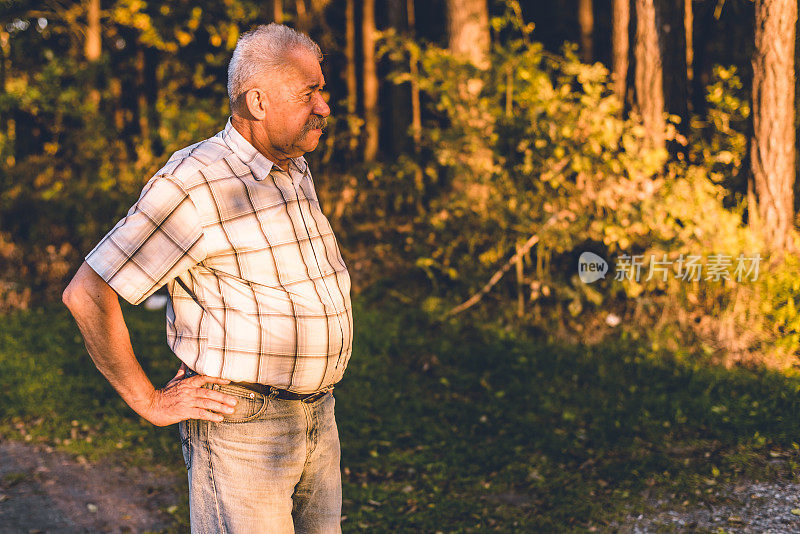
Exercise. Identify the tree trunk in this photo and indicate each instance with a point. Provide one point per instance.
(93, 45)
(277, 11)
(370, 80)
(649, 81)
(416, 108)
(152, 60)
(619, 46)
(672, 40)
(141, 101)
(468, 30)
(5, 119)
(703, 20)
(350, 70)
(688, 26)
(347, 190)
(115, 87)
(4, 53)
(468, 26)
(399, 93)
(772, 151)
(302, 15)
(586, 22)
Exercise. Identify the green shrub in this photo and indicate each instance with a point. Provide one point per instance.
(537, 144)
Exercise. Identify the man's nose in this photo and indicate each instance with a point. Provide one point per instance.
(321, 107)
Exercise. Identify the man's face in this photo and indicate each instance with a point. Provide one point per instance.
(296, 109)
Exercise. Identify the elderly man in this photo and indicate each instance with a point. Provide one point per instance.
(259, 310)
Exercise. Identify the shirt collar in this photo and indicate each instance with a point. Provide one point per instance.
(258, 163)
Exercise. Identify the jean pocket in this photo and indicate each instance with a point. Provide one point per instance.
(249, 405)
(184, 433)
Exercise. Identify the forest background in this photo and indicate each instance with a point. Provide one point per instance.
(464, 135)
(476, 151)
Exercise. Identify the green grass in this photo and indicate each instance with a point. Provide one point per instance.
(501, 431)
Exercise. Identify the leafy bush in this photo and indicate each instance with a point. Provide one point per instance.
(537, 144)
(541, 148)
(719, 142)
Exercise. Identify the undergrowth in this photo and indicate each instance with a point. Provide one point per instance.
(452, 427)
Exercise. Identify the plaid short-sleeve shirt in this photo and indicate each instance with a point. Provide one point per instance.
(258, 288)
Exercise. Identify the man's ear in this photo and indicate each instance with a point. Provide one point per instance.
(256, 102)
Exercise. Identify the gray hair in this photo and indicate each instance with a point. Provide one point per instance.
(264, 50)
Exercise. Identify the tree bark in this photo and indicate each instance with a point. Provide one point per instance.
(649, 81)
(4, 49)
(416, 108)
(302, 15)
(142, 113)
(469, 39)
(115, 86)
(277, 11)
(670, 17)
(399, 94)
(5, 118)
(468, 30)
(586, 22)
(152, 59)
(350, 69)
(93, 44)
(93, 47)
(772, 151)
(619, 46)
(688, 26)
(703, 19)
(370, 81)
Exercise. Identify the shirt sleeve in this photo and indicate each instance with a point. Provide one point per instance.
(159, 239)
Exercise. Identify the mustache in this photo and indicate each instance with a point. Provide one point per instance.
(314, 122)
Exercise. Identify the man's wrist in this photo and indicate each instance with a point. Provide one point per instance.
(146, 405)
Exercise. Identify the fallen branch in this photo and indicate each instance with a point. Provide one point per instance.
(494, 279)
(474, 299)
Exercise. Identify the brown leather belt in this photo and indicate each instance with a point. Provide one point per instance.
(277, 393)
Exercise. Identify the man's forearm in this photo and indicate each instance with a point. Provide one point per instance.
(95, 307)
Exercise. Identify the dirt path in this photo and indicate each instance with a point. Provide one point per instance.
(42, 490)
(743, 508)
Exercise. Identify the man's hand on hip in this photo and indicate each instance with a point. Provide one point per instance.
(185, 398)
(96, 309)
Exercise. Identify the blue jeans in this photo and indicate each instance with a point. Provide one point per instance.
(272, 466)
